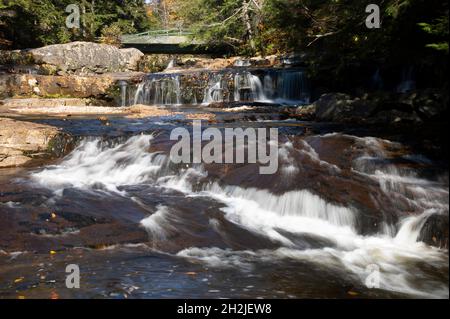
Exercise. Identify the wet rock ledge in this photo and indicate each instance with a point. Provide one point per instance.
(415, 107)
(23, 142)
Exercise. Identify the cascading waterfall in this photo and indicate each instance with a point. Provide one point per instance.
(214, 92)
(248, 87)
(269, 85)
(240, 85)
(376, 81)
(159, 90)
(407, 82)
(171, 64)
(288, 219)
(287, 87)
(123, 92)
(293, 87)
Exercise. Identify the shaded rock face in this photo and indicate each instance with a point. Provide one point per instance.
(383, 108)
(87, 58)
(21, 142)
(428, 104)
(54, 86)
(435, 231)
(16, 57)
(338, 107)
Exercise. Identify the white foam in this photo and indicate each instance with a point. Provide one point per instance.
(158, 225)
(93, 163)
(398, 255)
(219, 258)
(399, 265)
(276, 216)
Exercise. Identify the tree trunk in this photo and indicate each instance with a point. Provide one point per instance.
(248, 23)
(83, 21)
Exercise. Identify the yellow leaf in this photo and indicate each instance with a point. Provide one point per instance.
(18, 280)
(54, 295)
(52, 252)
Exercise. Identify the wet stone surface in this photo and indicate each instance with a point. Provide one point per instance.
(138, 226)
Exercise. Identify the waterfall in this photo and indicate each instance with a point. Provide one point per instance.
(301, 224)
(171, 64)
(159, 90)
(227, 86)
(292, 87)
(411, 227)
(269, 85)
(377, 81)
(95, 162)
(248, 87)
(214, 90)
(123, 93)
(408, 82)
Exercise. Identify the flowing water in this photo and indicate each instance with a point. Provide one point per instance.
(344, 203)
(241, 85)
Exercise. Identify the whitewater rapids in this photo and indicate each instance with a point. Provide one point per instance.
(286, 218)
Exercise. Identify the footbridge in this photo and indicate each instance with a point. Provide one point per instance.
(169, 41)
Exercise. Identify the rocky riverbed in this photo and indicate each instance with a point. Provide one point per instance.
(116, 207)
(362, 182)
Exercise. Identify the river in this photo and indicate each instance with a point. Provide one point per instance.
(344, 200)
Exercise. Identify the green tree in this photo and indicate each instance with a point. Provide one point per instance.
(439, 30)
(232, 22)
(334, 35)
(34, 22)
(42, 22)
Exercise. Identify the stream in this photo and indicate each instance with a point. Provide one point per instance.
(344, 200)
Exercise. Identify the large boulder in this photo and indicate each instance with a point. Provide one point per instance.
(435, 231)
(87, 57)
(380, 108)
(21, 142)
(429, 104)
(338, 107)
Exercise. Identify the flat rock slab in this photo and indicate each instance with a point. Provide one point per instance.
(65, 107)
(21, 142)
(38, 102)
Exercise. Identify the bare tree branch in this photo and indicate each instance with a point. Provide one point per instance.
(320, 36)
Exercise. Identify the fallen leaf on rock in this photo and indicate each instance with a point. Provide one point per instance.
(191, 273)
(54, 295)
